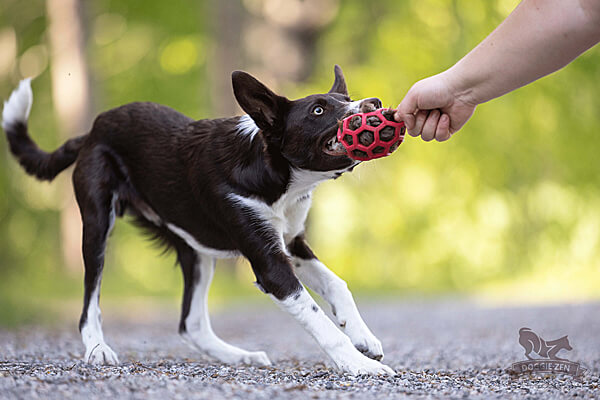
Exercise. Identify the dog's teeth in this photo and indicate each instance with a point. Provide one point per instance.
(334, 145)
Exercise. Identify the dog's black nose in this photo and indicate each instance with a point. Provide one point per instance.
(370, 104)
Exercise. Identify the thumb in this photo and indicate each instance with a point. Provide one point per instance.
(406, 110)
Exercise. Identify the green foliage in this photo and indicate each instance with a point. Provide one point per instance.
(509, 207)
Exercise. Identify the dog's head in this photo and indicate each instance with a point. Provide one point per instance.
(303, 131)
(563, 343)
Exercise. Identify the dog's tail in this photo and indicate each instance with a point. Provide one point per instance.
(44, 166)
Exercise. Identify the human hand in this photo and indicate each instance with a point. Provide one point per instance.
(434, 108)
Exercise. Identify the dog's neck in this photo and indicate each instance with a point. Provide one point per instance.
(239, 157)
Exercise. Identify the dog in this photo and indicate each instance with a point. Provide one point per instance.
(211, 189)
(545, 349)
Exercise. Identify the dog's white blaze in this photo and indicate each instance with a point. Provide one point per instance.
(333, 342)
(314, 274)
(17, 107)
(199, 332)
(247, 127)
(193, 243)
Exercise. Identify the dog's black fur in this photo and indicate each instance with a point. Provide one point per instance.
(163, 167)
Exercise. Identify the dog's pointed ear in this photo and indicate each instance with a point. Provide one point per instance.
(339, 85)
(262, 105)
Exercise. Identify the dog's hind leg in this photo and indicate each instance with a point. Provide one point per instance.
(195, 327)
(314, 274)
(92, 183)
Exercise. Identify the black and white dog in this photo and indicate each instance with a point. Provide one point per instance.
(212, 189)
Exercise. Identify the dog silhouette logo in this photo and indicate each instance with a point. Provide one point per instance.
(545, 349)
(544, 357)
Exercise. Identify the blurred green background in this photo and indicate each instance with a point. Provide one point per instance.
(508, 210)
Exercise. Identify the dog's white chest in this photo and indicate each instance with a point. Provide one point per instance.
(286, 216)
(289, 216)
(288, 213)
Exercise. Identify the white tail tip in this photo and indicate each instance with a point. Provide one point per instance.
(17, 107)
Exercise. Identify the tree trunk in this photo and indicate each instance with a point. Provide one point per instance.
(71, 97)
(226, 22)
(280, 40)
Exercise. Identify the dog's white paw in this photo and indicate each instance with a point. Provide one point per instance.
(357, 364)
(234, 355)
(256, 358)
(224, 352)
(366, 342)
(101, 354)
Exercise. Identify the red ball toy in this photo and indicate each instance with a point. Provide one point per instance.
(367, 136)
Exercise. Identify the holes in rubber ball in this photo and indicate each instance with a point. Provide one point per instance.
(386, 134)
(388, 114)
(355, 122)
(359, 153)
(366, 138)
(348, 139)
(378, 150)
(373, 120)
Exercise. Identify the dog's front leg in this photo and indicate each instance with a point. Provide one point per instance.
(337, 345)
(275, 276)
(334, 290)
(261, 244)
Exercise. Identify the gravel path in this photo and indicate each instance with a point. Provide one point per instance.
(440, 349)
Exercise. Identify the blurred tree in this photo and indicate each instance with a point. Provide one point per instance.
(226, 54)
(72, 98)
(281, 37)
(509, 206)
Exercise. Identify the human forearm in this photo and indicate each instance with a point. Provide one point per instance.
(538, 38)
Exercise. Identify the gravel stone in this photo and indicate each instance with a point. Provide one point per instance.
(439, 349)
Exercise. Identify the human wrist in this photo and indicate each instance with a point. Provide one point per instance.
(462, 86)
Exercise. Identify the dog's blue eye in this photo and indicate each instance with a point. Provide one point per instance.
(318, 110)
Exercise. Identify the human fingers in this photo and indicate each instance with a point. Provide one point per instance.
(419, 122)
(407, 109)
(442, 131)
(430, 126)
(408, 119)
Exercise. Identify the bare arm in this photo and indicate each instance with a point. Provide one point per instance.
(536, 39)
